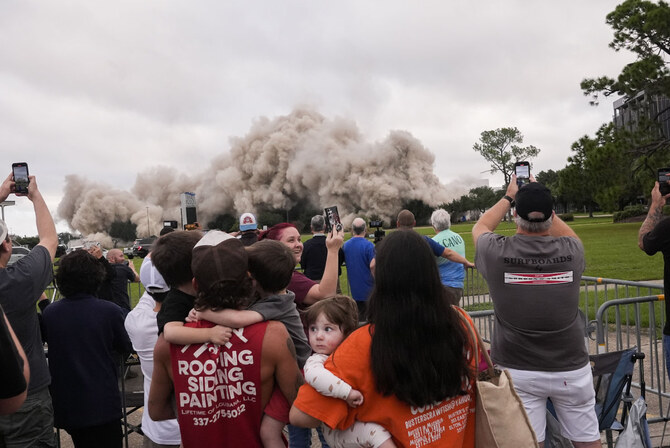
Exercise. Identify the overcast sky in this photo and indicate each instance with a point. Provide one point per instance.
(108, 89)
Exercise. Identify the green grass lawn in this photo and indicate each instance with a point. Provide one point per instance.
(611, 250)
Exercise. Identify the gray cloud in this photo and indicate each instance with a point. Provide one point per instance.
(297, 158)
(110, 91)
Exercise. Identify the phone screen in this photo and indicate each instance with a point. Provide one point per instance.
(523, 171)
(663, 178)
(332, 219)
(20, 171)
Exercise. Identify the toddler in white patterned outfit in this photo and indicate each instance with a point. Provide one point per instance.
(329, 321)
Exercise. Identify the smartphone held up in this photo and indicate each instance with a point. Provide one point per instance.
(21, 179)
(663, 179)
(522, 171)
(332, 219)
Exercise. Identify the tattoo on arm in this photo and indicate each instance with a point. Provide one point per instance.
(653, 217)
(291, 348)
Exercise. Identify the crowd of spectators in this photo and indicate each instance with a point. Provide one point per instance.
(236, 344)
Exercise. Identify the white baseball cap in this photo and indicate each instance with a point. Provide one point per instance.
(150, 277)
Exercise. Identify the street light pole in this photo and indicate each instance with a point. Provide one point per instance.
(6, 204)
(148, 230)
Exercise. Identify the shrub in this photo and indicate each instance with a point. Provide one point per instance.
(630, 212)
(567, 216)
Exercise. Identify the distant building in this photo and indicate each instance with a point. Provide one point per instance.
(629, 111)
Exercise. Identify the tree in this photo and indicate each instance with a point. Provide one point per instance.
(500, 148)
(420, 209)
(123, 230)
(643, 28)
(225, 222)
(482, 198)
(550, 179)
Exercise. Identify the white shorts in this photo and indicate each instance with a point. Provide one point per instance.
(572, 394)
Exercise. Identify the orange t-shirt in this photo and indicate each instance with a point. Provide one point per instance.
(449, 423)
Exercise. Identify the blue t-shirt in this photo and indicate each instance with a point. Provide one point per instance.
(451, 273)
(358, 254)
(436, 247)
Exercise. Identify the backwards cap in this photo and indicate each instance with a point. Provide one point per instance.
(218, 257)
(534, 197)
(150, 277)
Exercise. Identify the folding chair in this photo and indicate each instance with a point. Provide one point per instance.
(131, 399)
(612, 378)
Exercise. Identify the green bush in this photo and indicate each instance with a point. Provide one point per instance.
(630, 212)
(567, 216)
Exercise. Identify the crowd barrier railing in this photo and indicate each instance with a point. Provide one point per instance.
(618, 314)
(638, 322)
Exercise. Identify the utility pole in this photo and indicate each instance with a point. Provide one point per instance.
(6, 204)
(148, 229)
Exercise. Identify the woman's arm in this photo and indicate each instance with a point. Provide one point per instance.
(328, 285)
(299, 418)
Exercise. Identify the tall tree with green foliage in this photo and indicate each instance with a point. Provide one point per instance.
(501, 149)
(123, 230)
(643, 28)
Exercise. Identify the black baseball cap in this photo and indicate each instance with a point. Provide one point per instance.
(534, 197)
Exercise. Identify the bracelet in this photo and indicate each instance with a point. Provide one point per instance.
(511, 201)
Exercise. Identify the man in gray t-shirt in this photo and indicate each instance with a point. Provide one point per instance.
(21, 285)
(533, 278)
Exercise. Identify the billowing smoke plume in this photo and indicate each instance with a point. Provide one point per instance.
(298, 158)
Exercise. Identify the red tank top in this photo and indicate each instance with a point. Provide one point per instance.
(218, 389)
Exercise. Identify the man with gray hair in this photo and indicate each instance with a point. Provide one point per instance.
(534, 279)
(452, 273)
(359, 254)
(315, 252)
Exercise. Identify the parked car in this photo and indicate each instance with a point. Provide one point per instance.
(128, 252)
(142, 246)
(18, 252)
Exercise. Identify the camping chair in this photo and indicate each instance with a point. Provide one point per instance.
(612, 378)
(132, 399)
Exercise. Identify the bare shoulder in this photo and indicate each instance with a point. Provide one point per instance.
(277, 341)
(275, 329)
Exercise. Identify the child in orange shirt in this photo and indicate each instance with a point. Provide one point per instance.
(329, 322)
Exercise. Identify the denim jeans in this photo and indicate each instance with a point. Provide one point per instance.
(302, 437)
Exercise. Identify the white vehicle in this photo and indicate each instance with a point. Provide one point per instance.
(18, 252)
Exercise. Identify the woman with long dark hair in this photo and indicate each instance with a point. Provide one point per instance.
(414, 362)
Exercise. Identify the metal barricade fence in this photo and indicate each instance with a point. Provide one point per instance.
(638, 322)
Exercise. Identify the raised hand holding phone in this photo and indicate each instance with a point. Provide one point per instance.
(522, 171)
(663, 179)
(20, 177)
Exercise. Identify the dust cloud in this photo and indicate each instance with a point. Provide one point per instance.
(297, 158)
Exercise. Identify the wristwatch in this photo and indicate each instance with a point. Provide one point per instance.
(511, 201)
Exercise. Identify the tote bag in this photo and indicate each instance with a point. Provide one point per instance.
(500, 418)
